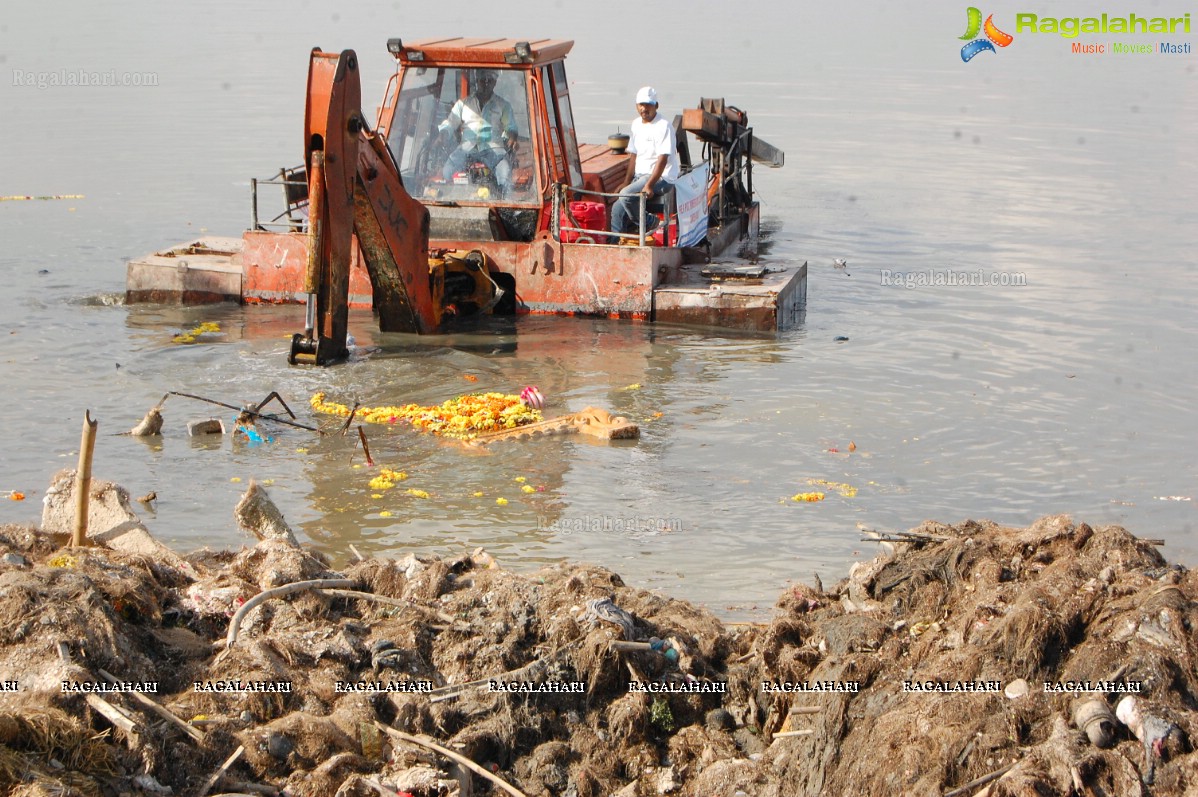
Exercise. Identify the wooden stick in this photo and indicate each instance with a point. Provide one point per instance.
(365, 445)
(356, 552)
(785, 734)
(256, 788)
(278, 592)
(194, 733)
(218, 774)
(350, 419)
(461, 759)
(982, 781)
(83, 479)
(445, 692)
(805, 710)
(370, 596)
(112, 714)
(374, 784)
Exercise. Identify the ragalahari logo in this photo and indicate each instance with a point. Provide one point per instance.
(993, 35)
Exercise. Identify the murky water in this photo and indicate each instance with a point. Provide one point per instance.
(1069, 393)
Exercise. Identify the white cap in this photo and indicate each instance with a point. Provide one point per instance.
(647, 94)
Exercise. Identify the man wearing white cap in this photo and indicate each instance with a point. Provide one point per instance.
(654, 167)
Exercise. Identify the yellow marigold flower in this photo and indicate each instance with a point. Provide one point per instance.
(461, 418)
(528, 488)
(522, 479)
(202, 329)
(478, 494)
(846, 490)
(384, 513)
(807, 497)
(501, 501)
(417, 493)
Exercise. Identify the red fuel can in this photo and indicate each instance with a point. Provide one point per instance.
(589, 215)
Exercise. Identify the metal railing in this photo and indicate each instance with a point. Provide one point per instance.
(560, 195)
(295, 199)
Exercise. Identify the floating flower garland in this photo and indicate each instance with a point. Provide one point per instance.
(190, 335)
(463, 417)
(846, 490)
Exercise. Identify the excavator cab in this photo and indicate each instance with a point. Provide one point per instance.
(462, 135)
(481, 130)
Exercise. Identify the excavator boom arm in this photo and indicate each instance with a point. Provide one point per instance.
(354, 187)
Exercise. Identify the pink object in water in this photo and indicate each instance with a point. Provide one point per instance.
(532, 397)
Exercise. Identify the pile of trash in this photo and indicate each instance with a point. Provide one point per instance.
(951, 663)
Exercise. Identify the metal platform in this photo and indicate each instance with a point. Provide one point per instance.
(732, 296)
(203, 271)
(750, 298)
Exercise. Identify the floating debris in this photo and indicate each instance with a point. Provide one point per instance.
(532, 397)
(21, 197)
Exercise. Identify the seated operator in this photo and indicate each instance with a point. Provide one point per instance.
(475, 121)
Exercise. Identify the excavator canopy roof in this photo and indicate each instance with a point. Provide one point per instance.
(459, 50)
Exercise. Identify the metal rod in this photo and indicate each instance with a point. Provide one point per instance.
(557, 211)
(273, 396)
(749, 163)
(313, 274)
(254, 413)
(253, 203)
(640, 237)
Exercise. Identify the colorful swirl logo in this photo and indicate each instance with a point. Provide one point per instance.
(993, 35)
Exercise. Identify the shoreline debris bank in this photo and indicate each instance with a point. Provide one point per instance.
(967, 659)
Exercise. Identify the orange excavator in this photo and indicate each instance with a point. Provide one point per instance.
(355, 189)
(472, 195)
(469, 192)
